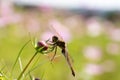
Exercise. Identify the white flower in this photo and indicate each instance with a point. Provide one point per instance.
(113, 48)
(115, 34)
(93, 69)
(92, 53)
(94, 28)
(72, 21)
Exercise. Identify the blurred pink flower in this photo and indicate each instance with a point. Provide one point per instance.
(33, 25)
(114, 34)
(2, 22)
(62, 30)
(7, 14)
(94, 28)
(108, 66)
(113, 48)
(92, 53)
(5, 20)
(72, 22)
(6, 8)
(93, 69)
(15, 18)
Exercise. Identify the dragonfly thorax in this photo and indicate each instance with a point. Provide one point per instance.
(61, 44)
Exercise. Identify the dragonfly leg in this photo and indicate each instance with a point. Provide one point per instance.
(47, 40)
(54, 54)
(48, 51)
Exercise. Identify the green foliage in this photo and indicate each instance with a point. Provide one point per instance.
(43, 68)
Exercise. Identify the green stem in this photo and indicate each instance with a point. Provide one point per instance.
(27, 66)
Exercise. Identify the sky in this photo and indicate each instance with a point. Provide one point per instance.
(92, 4)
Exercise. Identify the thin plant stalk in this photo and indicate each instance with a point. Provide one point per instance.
(27, 66)
(35, 67)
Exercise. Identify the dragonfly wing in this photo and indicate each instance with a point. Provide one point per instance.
(56, 32)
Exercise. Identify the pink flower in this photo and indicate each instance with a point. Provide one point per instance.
(114, 34)
(2, 22)
(6, 8)
(93, 69)
(72, 22)
(94, 28)
(92, 53)
(41, 46)
(33, 25)
(11, 19)
(7, 14)
(113, 48)
(14, 18)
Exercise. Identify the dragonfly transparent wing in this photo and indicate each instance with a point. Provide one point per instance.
(56, 32)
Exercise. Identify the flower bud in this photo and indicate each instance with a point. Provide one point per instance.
(37, 79)
(41, 46)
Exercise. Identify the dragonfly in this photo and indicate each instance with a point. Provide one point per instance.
(61, 44)
(52, 45)
(57, 41)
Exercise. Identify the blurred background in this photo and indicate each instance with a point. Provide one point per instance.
(89, 27)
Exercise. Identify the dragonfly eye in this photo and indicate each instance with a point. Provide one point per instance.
(54, 38)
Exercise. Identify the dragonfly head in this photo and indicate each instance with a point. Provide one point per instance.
(54, 38)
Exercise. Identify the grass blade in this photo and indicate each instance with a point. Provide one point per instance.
(2, 73)
(30, 77)
(19, 54)
(21, 67)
